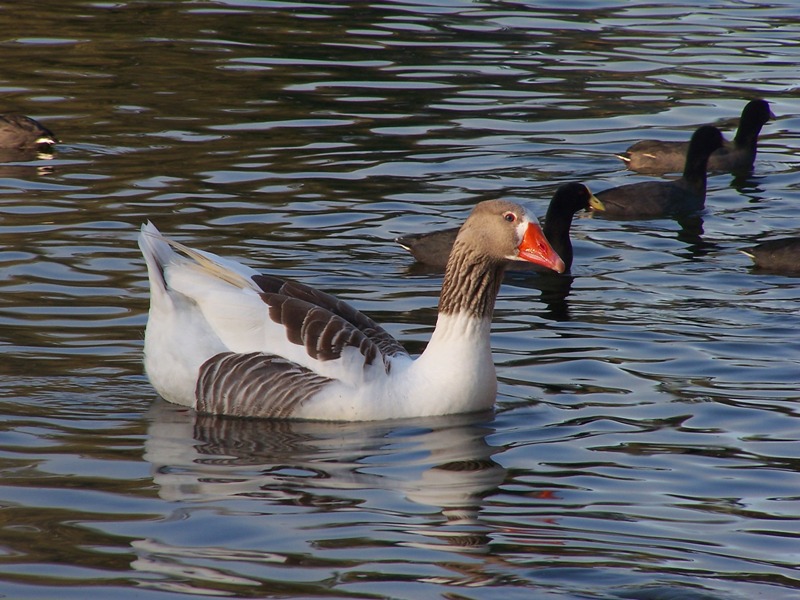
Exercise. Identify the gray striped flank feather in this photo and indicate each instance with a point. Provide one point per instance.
(254, 385)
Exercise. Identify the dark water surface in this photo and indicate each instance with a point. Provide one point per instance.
(646, 440)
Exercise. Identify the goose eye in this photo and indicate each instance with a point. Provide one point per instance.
(510, 217)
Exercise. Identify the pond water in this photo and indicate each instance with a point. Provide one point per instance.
(645, 443)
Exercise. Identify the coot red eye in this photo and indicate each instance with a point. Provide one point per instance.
(510, 217)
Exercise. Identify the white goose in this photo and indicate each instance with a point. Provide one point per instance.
(225, 339)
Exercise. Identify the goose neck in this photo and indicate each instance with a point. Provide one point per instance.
(470, 284)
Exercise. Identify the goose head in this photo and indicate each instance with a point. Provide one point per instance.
(500, 231)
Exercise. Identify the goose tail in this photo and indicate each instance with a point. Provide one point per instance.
(157, 254)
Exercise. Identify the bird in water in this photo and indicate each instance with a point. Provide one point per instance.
(658, 157)
(778, 256)
(433, 248)
(650, 199)
(21, 133)
(225, 339)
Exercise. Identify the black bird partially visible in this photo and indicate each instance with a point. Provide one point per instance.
(18, 132)
(779, 256)
(649, 199)
(657, 157)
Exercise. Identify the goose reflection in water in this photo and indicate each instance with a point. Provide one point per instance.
(444, 463)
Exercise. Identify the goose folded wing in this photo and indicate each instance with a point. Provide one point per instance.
(307, 315)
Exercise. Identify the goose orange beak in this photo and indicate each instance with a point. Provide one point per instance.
(536, 249)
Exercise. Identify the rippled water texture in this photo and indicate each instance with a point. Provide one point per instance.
(646, 439)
